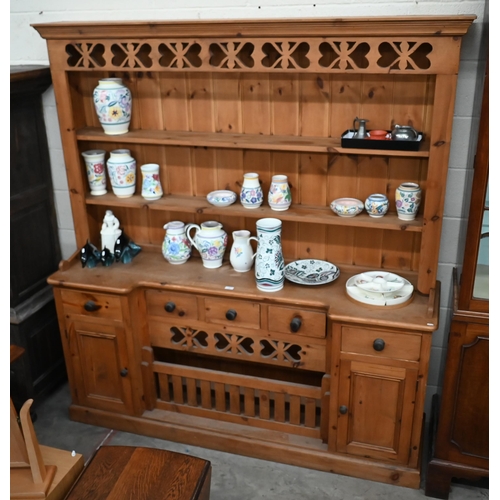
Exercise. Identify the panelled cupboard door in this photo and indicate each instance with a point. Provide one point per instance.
(375, 414)
(100, 364)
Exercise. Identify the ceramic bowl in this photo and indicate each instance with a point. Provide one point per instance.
(347, 207)
(379, 135)
(221, 198)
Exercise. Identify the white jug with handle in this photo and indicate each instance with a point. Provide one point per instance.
(242, 254)
(210, 240)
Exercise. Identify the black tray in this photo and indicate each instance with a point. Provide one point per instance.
(388, 144)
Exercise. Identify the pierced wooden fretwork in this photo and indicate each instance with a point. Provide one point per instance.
(306, 55)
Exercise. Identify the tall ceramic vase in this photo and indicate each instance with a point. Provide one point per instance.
(96, 171)
(113, 105)
(408, 196)
(122, 173)
(210, 240)
(269, 262)
(151, 185)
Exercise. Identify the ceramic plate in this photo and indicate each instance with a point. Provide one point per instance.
(311, 272)
(221, 198)
(401, 296)
(379, 281)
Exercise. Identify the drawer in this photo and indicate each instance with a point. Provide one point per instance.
(171, 305)
(232, 312)
(95, 305)
(381, 343)
(299, 321)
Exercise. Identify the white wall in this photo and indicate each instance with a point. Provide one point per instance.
(27, 47)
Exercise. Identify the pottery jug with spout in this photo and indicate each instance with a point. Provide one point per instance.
(176, 247)
(210, 240)
(242, 254)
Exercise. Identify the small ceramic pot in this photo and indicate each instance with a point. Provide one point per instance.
(176, 247)
(280, 196)
(408, 196)
(96, 171)
(251, 195)
(376, 205)
(122, 173)
(151, 186)
(113, 105)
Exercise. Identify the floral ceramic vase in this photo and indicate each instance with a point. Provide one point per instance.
(242, 255)
(176, 247)
(122, 173)
(151, 186)
(251, 195)
(376, 205)
(269, 262)
(280, 196)
(113, 105)
(96, 172)
(210, 240)
(408, 196)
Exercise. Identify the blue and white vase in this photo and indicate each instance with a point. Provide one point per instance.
(269, 261)
(113, 105)
(251, 195)
(408, 196)
(376, 205)
(176, 247)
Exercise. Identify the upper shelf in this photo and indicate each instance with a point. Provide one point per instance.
(240, 141)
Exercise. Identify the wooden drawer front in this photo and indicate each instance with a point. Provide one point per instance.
(247, 313)
(171, 305)
(394, 345)
(95, 305)
(310, 323)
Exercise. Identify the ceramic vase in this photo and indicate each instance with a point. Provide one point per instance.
(176, 247)
(408, 196)
(151, 186)
(280, 196)
(269, 262)
(210, 240)
(242, 255)
(251, 195)
(96, 171)
(376, 205)
(110, 231)
(113, 105)
(122, 173)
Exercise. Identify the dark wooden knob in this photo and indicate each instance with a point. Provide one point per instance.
(91, 306)
(343, 409)
(124, 372)
(169, 307)
(231, 314)
(378, 344)
(295, 324)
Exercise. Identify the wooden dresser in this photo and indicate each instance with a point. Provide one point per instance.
(148, 345)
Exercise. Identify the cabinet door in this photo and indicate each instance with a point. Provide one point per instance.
(375, 410)
(100, 365)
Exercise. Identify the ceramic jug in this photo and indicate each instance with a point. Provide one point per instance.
(242, 254)
(210, 240)
(113, 105)
(269, 262)
(176, 247)
(110, 231)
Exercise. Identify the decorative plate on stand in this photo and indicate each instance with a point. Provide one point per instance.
(311, 272)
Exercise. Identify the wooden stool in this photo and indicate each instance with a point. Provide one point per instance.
(130, 473)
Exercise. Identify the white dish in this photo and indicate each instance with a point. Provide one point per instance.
(400, 296)
(347, 207)
(221, 198)
(311, 272)
(379, 281)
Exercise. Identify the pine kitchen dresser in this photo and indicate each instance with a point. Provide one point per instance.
(305, 375)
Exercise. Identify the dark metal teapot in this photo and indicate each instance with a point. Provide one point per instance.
(404, 133)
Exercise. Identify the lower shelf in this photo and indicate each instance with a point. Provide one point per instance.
(244, 440)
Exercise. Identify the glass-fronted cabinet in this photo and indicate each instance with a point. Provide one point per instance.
(460, 421)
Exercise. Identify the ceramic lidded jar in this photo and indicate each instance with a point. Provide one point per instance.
(242, 254)
(408, 196)
(251, 195)
(376, 205)
(122, 173)
(269, 261)
(210, 240)
(280, 196)
(96, 171)
(113, 105)
(176, 247)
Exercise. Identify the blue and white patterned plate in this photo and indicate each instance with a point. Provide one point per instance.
(311, 272)
(221, 198)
